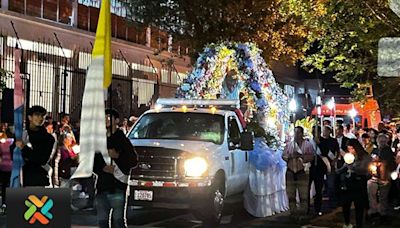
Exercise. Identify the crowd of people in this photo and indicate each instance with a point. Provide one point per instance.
(50, 151)
(347, 167)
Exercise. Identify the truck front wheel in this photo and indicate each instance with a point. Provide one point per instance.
(211, 210)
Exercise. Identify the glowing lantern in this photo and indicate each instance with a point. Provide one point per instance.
(349, 158)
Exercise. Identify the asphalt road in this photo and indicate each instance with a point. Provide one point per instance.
(234, 216)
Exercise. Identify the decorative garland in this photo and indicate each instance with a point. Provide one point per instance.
(238, 71)
(307, 124)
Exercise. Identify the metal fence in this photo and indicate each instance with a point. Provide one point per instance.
(57, 77)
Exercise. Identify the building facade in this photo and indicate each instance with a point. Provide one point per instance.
(56, 38)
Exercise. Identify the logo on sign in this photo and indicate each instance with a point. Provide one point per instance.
(38, 210)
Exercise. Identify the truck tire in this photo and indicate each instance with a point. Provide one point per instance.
(210, 213)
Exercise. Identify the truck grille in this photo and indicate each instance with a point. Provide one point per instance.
(158, 163)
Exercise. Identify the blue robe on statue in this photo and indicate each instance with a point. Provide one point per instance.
(230, 94)
(265, 194)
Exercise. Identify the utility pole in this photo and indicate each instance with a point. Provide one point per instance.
(24, 74)
(157, 90)
(129, 75)
(65, 74)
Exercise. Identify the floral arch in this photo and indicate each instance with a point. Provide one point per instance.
(238, 71)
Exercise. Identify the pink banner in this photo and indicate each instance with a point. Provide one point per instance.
(18, 92)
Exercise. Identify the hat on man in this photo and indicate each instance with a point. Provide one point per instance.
(112, 112)
(36, 109)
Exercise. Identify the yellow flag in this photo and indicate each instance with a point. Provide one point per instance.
(93, 135)
(102, 43)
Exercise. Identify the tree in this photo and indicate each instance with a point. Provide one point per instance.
(207, 21)
(343, 40)
(338, 37)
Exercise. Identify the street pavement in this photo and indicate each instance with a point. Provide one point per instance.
(234, 216)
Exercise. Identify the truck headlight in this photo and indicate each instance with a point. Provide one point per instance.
(195, 167)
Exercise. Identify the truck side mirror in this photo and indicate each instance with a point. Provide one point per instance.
(246, 141)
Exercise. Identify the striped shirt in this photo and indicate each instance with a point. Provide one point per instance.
(296, 155)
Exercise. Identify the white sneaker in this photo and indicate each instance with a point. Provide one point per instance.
(347, 226)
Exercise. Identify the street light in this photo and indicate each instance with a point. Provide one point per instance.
(353, 114)
(292, 108)
(331, 105)
(292, 105)
(318, 104)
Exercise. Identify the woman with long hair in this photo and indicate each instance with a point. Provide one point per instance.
(67, 156)
(353, 182)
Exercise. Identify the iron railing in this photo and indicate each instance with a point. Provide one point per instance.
(43, 64)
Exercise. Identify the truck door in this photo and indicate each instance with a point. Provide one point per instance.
(238, 158)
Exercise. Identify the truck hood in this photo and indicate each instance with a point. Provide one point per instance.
(184, 145)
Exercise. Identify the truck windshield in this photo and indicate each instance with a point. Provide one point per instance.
(180, 126)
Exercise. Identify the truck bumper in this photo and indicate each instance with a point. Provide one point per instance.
(171, 197)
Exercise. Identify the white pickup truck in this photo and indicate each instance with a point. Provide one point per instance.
(192, 154)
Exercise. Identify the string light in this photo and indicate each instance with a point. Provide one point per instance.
(184, 108)
(213, 110)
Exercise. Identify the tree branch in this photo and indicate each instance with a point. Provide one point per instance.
(387, 22)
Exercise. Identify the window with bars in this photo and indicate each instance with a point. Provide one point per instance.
(164, 75)
(41, 81)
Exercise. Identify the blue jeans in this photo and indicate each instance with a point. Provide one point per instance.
(331, 188)
(105, 201)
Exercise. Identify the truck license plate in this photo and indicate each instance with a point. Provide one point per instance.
(143, 195)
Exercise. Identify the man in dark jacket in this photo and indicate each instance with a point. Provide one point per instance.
(112, 179)
(330, 147)
(342, 141)
(36, 149)
(319, 168)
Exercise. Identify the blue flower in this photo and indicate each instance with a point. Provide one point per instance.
(242, 46)
(197, 73)
(245, 48)
(210, 53)
(249, 63)
(261, 103)
(185, 87)
(255, 86)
